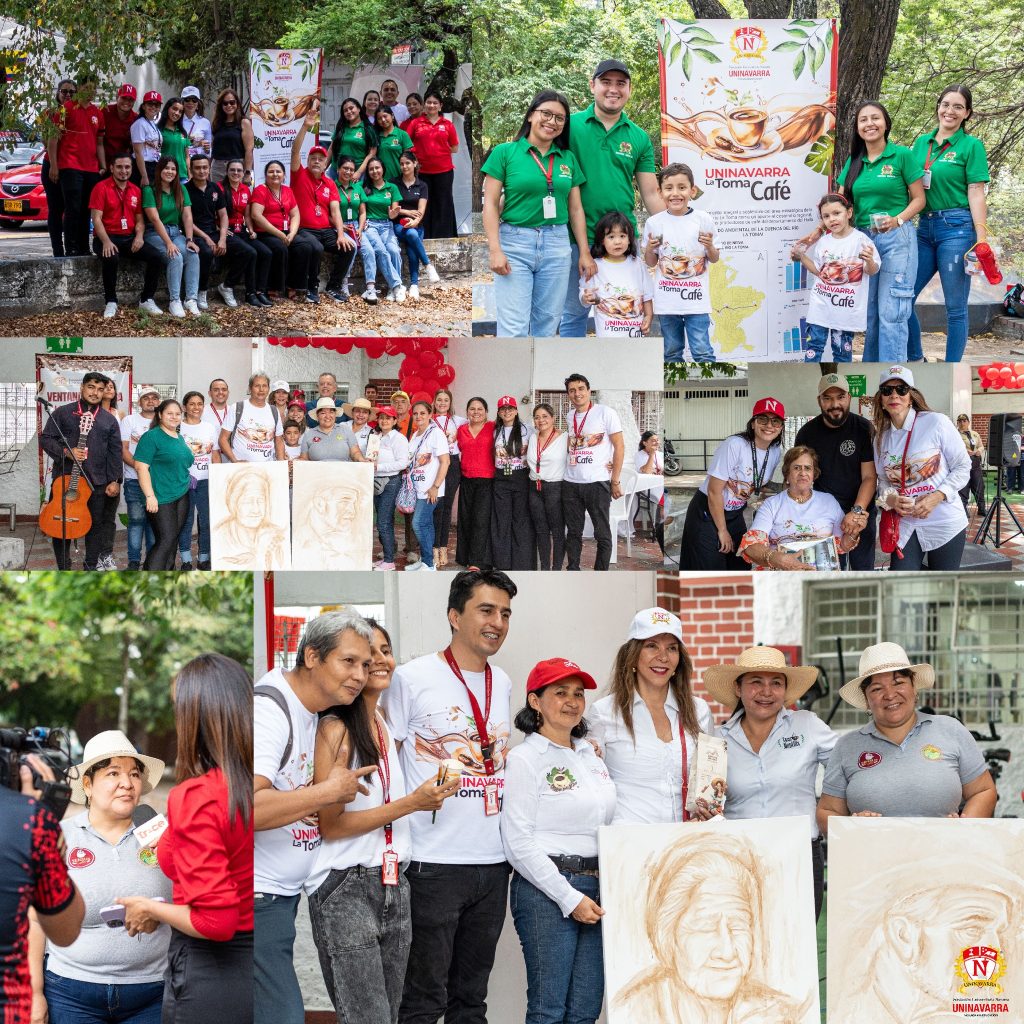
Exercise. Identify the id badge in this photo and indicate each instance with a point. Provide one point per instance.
(926, 179)
(318, 212)
(389, 870)
(124, 223)
(549, 207)
(349, 215)
(490, 799)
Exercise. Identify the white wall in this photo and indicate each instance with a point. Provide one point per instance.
(634, 365)
(306, 364)
(778, 608)
(490, 368)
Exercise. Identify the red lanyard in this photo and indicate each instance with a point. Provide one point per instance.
(123, 195)
(541, 450)
(686, 767)
(928, 161)
(444, 429)
(577, 428)
(486, 746)
(384, 771)
(549, 173)
(220, 419)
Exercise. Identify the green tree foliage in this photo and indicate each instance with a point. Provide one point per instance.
(67, 639)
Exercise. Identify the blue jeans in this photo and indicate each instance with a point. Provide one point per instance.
(1013, 479)
(186, 263)
(138, 524)
(891, 295)
(677, 330)
(818, 337)
(945, 558)
(942, 239)
(380, 234)
(86, 1002)
(423, 527)
(278, 998)
(530, 298)
(384, 509)
(198, 507)
(574, 313)
(564, 969)
(412, 239)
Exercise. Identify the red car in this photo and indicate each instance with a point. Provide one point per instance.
(21, 194)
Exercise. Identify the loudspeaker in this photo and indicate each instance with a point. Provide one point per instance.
(1004, 439)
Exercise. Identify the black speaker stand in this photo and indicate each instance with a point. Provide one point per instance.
(985, 530)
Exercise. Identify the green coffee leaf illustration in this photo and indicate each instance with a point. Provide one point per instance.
(707, 55)
(819, 156)
(787, 47)
(797, 33)
(811, 48)
(679, 45)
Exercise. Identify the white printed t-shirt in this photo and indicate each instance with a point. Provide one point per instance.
(503, 457)
(424, 453)
(430, 715)
(202, 438)
(732, 463)
(839, 296)
(254, 440)
(284, 857)
(590, 443)
(786, 521)
(449, 425)
(133, 427)
(621, 287)
(215, 417)
(681, 276)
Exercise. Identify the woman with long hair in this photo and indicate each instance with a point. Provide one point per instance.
(449, 425)
(649, 460)
(435, 141)
(241, 240)
(206, 849)
(512, 541)
(476, 491)
(428, 466)
(546, 455)
(201, 436)
(168, 208)
(275, 218)
(380, 199)
(147, 141)
(390, 463)
(175, 140)
(409, 222)
(531, 202)
(354, 136)
(414, 104)
(232, 136)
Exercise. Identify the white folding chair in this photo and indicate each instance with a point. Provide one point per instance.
(620, 508)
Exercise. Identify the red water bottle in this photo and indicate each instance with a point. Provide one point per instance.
(989, 263)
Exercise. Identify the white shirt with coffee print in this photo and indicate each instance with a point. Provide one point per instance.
(786, 521)
(590, 443)
(202, 438)
(732, 463)
(681, 276)
(133, 427)
(503, 457)
(839, 295)
(254, 440)
(621, 286)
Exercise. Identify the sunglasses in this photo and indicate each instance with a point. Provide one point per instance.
(768, 421)
(67, 92)
(229, 103)
(894, 389)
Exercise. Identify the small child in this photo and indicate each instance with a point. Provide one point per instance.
(621, 291)
(680, 243)
(292, 436)
(838, 304)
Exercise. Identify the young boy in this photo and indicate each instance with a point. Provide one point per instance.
(292, 436)
(679, 242)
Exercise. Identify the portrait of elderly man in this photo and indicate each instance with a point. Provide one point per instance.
(333, 518)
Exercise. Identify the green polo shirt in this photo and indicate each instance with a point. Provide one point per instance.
(175, 145)
(957, 162)
(169, 460)
(882, 186)
(611, 159)
(526, 184)
(378, 200)
(350, 197)
(392, 146)
(166, 209)
(352, 142)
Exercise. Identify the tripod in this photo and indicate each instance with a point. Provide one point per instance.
(993, 512)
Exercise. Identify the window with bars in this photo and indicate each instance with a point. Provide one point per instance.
(311, 390)
(966, 627)
(17, 414)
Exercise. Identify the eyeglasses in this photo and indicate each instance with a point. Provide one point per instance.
(894, 389)
(550, 115)
(67, 92)
(957, 108)
(768, 421)
(229, 103)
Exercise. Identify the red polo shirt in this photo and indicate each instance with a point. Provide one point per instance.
(119, 209)
(477, 452)
(117, 134)
(431, 142)
(239, 201)
(76, 150)
(314, 198)
(277, 212)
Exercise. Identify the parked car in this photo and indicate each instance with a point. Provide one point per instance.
(21, 194)
(20, 156)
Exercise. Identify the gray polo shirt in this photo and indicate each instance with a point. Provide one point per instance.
(333, 445)
(922, 777)
(104, 955)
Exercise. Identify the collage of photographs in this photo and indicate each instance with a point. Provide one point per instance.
(704, 319)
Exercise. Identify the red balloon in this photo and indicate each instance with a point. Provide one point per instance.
(344, 346)
(374, 349)
(1018, 369)
(432, 386)
(1005, 373)
(997, 383)
(393, 346)
(431, 359)
(406, 367)
(434, 344)
(317, 342)
(422, 396)
(445, 374)
(411, 383)
(302, 342)
(286, 342)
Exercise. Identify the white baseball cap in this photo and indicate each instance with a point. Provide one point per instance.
(654, 621)
(148, 390)
(897, 373)
(190, 92)
(279, 385)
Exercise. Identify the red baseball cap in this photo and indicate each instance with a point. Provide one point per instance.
(318, 149)
(507, 402)
(771, 406)
(387, 410)
(152, 97)
(544, 673)
(127, 90)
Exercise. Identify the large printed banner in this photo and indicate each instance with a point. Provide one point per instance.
(59, 381)
(283, 85)
(750, 107)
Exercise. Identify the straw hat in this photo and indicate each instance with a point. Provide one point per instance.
(885, 657)
(719, 679)
(104, 745)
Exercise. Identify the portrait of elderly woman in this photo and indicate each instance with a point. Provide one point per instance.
(249, 509)
(713, 897)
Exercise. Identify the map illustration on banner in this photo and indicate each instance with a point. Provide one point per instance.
(749, 106)
(284, 85)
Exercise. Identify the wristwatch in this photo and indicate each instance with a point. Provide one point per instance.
(857, 510)
(899, 222)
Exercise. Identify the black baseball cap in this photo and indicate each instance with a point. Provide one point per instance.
(610, 65)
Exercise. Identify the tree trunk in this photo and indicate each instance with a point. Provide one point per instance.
(767, 8)
(865, 38)
(709, 9)
(805, 8)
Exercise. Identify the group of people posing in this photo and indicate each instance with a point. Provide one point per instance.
(562, 231)
(169, 187)
(908, 467)
(426, 808)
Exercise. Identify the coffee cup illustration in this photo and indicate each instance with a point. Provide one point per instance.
(747, 125)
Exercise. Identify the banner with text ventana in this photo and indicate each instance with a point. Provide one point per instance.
(749, 106)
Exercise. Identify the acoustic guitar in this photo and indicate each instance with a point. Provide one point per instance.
(73, 511)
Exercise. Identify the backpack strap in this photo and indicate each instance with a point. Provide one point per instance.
(279, 699)
(239, 405)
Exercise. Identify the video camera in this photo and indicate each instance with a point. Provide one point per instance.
(52, 746)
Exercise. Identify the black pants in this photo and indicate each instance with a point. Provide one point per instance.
(699, 549)
(321, 240)
(208, 981)
(54, 210)
(512, 542)
(136, 177)
(248, 261)
(818, 871)
(76, 187)
(155, 260)
(457, 914)
(473, 543)
(167, 522)
(941, 559)
(277, 273)
(443, 511)
(548, 523)
(206, 258)
(975, 485)
(577, 500)
(100, 538)
(862, 557)
(439, 218)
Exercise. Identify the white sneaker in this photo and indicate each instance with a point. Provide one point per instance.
(192, 307)
(176, 309)
(150, 306)
(202, 301)
(414, 292)
(107, 564)
(390, 297)
(428, 568)
(227, 295)
(432, 275)
(413, 566)
(370, 295)
(400, 293)
(110, 311)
